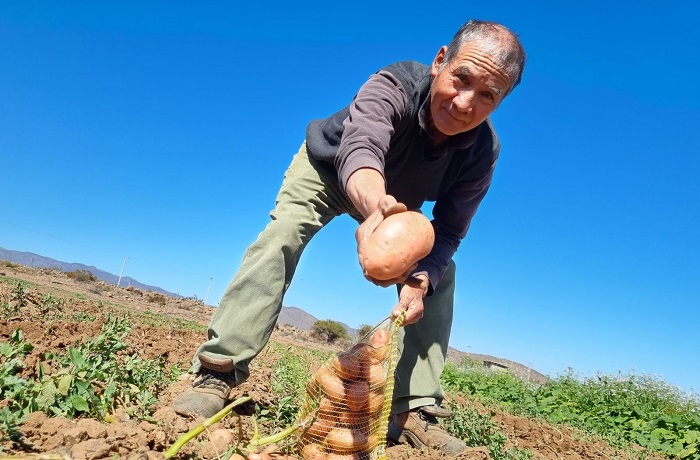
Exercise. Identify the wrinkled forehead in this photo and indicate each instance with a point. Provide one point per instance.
(480, 59)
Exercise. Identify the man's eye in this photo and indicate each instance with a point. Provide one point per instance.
(463, 78)
(488, 95)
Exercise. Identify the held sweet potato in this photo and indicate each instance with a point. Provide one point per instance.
(399, 241)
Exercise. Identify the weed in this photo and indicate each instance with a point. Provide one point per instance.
(12, 387)
(479, 430)
(83, 317)
(622, 409)
(91, 378)
(17, 300)
(289, 379)
(50, 305)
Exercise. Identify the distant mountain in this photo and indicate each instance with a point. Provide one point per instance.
(37, 261)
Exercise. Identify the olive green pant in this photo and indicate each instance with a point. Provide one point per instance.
(308, 199)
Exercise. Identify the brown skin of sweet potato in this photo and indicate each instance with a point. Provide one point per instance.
(345, 440)
(398, 243)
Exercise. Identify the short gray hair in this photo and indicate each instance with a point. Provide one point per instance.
(495, 39)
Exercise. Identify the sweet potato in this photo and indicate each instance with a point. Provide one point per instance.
(260, 456)
(357, 395)
(313, 452)
(376, 376)
(372, 441)
(346, 456)
(321, 426)
(345, 440)
(348, 366)
(331, 384)
(379, 338)
(376, 401)
(354, 419)
(400, 241)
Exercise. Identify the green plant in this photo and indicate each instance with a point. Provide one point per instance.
(622, 409)
(83, 317)
(479, 430)
(329, 330)
(50, 304)
(12, 387)
(92, 378)
(17, 300)
(289, 379)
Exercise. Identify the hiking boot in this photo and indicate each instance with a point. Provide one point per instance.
(419, 428)
(207, 396)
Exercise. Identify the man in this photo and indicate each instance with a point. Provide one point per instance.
(413, 133)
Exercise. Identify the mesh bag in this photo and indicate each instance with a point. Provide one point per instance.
(345, 414)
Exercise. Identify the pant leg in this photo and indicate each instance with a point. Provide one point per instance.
(423, 347)
(248, 311)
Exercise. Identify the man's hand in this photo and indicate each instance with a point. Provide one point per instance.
(386, 207)
(411, 300)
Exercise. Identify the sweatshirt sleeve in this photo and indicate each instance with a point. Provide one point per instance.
(373, 115)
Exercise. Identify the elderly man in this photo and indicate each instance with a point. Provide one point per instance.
(413, 133)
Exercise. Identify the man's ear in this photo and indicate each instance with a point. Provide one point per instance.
(438, 61)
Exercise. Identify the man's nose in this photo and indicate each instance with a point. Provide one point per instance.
(463, 100)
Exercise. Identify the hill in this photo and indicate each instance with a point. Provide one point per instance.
(37, 261)
(292, 316)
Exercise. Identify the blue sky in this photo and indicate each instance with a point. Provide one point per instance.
(159, 131)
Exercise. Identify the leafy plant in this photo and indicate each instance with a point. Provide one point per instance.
(622, 409)
(289, 379)
(12, 387)
(50, 305)
(17, 300)
(479, 430)
(92, 378)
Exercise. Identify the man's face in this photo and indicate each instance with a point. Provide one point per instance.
(465, 91)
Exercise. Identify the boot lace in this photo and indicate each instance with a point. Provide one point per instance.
(427, 418)
(214, 380)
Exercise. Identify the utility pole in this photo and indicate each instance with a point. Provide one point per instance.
(121, 272)
(207, 296)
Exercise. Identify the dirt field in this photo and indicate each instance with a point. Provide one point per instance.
(175, 341)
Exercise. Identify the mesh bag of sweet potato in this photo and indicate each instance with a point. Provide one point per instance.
(345, 414)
